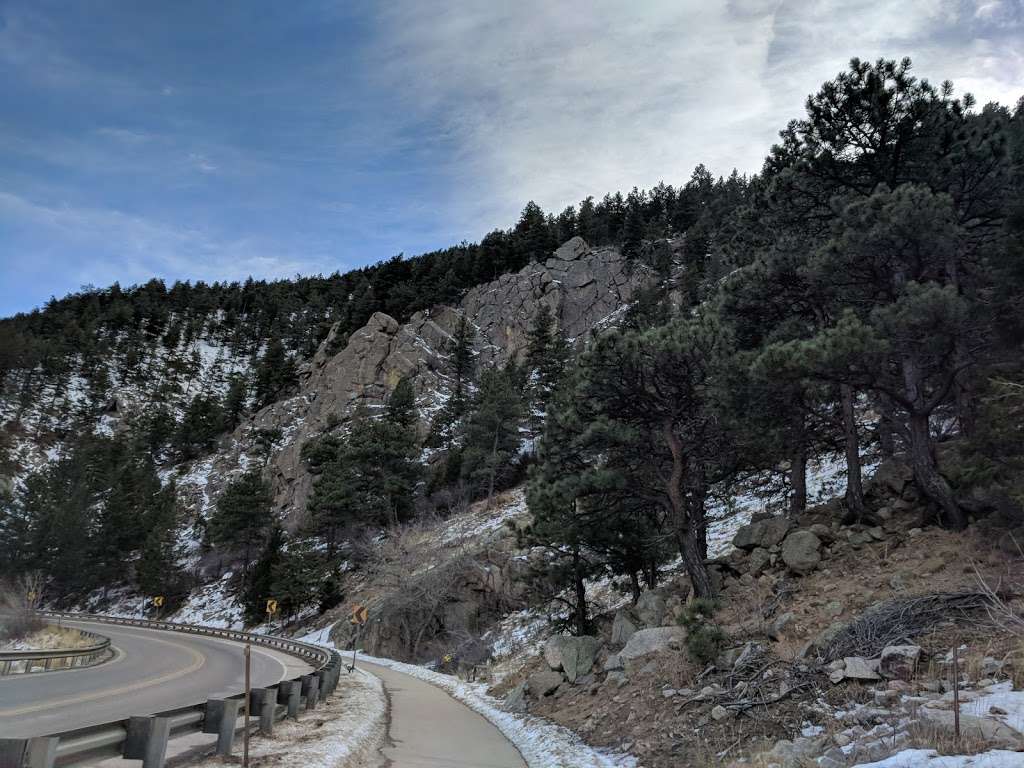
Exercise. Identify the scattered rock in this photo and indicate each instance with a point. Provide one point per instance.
(720, 713)
(515, 701)
(624, 627)
(778, 627)
(899, 662)
(859, 668)
(612, 663)
(650, 609)
(758, 560)
(616, 678)
(543, 683)
(801, 551)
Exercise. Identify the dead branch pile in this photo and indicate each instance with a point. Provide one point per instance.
(901, 620)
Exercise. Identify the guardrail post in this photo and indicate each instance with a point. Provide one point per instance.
(264, 703)
(311, 689)
(288, 692)
(42, 752)
(147, 740)
(221, 718)
(325, 683)
(12, 752)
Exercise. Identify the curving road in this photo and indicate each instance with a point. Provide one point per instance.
(152, 671)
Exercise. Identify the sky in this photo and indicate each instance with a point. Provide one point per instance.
(217, 140)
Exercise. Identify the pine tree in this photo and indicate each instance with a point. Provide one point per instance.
(443, 427)
(275, 373)
(242, 518)
(158, 571)
(492, 439)
(547, 356)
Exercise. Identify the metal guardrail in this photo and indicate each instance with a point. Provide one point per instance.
(35, 660)
(145, 737)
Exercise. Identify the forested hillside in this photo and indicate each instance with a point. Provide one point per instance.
(860, 293)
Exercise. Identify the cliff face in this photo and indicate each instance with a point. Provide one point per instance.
(585, 288)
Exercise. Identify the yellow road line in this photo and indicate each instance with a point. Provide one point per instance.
(198, 660)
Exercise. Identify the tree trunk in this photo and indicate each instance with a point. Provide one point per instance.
(886, 435)
(634, 584)
(854, 484)
(926, 474)
(798, 481)
(581, 619)
(494, 467)
(682, 526)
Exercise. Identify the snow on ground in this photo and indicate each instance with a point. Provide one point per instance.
(344, 732)
(1002, 698)
(541, 743)
(929, 758)
(483, 521)
(212, 605)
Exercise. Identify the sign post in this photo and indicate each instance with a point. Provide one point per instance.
(248, 704)
(358, 619)
(272, 611)
(158, 602)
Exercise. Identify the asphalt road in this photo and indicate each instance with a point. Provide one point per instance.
(430, 729)
(153, 671)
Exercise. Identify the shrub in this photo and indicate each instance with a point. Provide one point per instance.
(704, 638)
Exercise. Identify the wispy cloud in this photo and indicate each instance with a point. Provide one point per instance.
(117, 246)
(554, 101)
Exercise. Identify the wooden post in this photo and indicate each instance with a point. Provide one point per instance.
(248, 704)
(956, 693)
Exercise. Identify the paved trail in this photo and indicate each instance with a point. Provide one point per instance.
(430, 729)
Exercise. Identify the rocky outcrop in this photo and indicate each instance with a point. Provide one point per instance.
(586, 289)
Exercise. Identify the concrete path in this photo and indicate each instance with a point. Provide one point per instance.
(430, 729)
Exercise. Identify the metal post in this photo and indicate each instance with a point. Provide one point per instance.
(956, 693)
(248, 704)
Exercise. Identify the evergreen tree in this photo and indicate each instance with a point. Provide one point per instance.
(275, 373)
(242, 518)
(547, 356)
(492, 439)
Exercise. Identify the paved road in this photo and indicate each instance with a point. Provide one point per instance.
(430, 729)
(153, 671)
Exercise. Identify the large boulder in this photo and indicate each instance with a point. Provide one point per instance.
(572, 655)
(762, 533)
(572, 249)
(650, 608)
(624, 627)
(553, 649)
(891, 478)
(653, 641)
(899, 662)
(801, 551)
(578, 657)
(759, 559)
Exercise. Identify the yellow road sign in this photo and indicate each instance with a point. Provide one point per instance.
(158, 601)
(359, 614)
(271, 606)
(31, 597)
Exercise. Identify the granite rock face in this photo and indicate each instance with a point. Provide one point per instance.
(585, 288)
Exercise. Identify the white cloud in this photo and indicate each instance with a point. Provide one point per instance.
(554, 101)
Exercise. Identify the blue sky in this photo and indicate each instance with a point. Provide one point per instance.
(214, 140)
